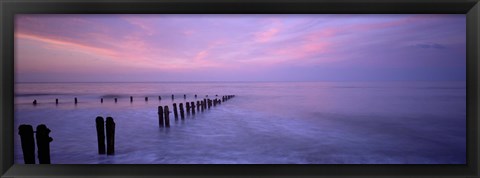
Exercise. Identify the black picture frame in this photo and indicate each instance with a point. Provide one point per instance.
(9, 8)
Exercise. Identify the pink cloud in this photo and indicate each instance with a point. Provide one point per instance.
(266, 36)
(201, 55)
(67, 45)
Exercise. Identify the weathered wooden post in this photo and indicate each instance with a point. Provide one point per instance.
(198, 106)
(184, 96)
(215, 102)
(204, 103)
(175, 112)
(100, 123)
(115, 100)
(193, 107)
(28, 143)
(159, 98)
(188, 107)
(182, 114)
(173, 97)
(76, 101)
(131, 99)
(146, 98)
(43, 144)
(167, 116)
(160, 116)
(56, 100)
(209, 103)
(101, 100)
(34, 102)
(195, 96)
(110, 128)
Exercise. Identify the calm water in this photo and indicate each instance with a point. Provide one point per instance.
(289, 122)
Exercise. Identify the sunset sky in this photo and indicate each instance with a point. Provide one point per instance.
(144, 48)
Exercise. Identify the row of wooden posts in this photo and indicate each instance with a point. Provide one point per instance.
(201, 105)
(28, 143)
(105, 129)
(116, 99)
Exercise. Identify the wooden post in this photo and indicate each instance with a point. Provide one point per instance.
(160, 116)
(131, 99)
(182, 114)
(34, 102)
(198, 106)
(193, 107)
(188, 107)
(115, 100)
(204, 104)
(56, 101)
(159, 98)
(184, 96)
(167, 116)
(215, 102)
(76, 101)
(110, 125)
(173, 97)
(28, 143)
(101, 100)
(175, 112)
(100, 123)
(195, 96)
(43, 144)
(146, 98)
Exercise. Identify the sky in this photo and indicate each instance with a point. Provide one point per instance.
(315, 47)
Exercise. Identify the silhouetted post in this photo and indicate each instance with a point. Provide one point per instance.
(110, 136)
(209, 103)
(115, 100)
(167, 116)
(28, 143)
(146, 98)
(184, 96)
(223, 98)
(43, 144)
(188, 107)
(193, 107)
(101, 100)
(175, 112)
(173, 97)
(195, 96)
(219, 101)
(34, 102)
(215, 102)
(182, 114)
(204, 103)
(198, 106)
(100, 134)
(131, 99)
(159, 98)
(160, 116)
(76, 101)
(216, 95)
(56, 101)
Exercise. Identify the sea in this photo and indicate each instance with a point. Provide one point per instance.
(378, 122)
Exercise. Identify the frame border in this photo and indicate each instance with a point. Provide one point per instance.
(9, 8)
